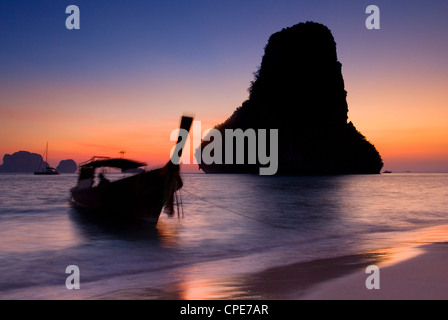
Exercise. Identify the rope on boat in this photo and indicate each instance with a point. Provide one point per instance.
(239, 213)
(179, 203)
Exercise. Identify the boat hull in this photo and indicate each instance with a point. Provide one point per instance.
(140, 196)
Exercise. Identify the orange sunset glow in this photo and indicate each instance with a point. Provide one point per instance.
(407, 122)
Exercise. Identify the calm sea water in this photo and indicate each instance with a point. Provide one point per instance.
(231, 225)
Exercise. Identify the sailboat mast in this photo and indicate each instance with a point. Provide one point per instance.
(46, 154)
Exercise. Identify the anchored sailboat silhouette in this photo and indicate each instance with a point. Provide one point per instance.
(47, 170)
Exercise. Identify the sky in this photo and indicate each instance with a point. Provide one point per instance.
(122, 81)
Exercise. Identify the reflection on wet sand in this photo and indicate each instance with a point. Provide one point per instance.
(208, 281)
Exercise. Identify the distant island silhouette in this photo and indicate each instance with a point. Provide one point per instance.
(67, 166)
(27, 162)
(299, 90)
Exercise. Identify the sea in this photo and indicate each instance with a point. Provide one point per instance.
(226, 228)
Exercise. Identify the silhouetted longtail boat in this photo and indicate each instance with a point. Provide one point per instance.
(139, 196)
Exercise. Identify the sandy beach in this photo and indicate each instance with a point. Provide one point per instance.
(415, 270)
(423, 277)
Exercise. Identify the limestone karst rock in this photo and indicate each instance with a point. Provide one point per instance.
(67, 166)
(21, 161)
(299, 90)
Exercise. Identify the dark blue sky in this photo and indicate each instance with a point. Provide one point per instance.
(137, 37)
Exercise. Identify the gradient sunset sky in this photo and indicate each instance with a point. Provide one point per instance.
(123, 80)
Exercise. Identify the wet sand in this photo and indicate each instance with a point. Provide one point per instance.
(278, 283)
(415, 268)
(413, 265)
(295, 280)
(423, 277)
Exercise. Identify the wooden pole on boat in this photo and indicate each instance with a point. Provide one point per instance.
(185, 125)
(172, 167)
